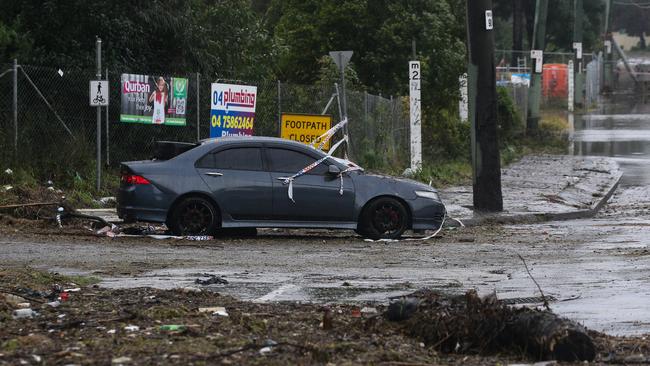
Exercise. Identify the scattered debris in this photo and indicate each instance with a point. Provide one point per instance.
(368, 311)
(121, 360)
(212, 280)
(24, 313)
(132, 328)
(402, 309)
(215, 310)
(172, 328)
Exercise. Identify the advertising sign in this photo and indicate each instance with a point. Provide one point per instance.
(305, 128)
(158, 100)
(232, 110)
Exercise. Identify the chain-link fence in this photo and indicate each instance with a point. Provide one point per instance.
(56, 127)
(514, 70)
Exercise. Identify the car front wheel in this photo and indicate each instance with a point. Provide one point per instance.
(194, 216)
(384, 218)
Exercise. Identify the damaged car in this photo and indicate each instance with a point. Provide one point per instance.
(265, 182)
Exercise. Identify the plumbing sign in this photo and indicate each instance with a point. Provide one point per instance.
(232, 110)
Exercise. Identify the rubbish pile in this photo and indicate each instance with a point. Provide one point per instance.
(471, 324)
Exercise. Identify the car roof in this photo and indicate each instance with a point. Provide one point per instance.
(253, 139)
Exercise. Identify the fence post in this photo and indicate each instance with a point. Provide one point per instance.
(15, 108)
(365, 112)
(98, 50)
(198, 107)
(108, 140)
(279, 107)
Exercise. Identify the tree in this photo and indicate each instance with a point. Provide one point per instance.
(171, 36)
(633, 19)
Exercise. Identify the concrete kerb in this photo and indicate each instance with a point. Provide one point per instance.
(478, 219)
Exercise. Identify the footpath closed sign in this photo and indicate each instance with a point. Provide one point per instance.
(305, 128)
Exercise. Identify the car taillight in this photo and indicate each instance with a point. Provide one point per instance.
(134, 179)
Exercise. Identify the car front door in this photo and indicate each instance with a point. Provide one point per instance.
(238, 181)
(316, 194)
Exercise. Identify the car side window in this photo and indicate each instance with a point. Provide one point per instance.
(239, 158)
(290, 161)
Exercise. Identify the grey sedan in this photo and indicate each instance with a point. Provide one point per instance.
(255, 182)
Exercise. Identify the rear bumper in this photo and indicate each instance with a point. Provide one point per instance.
(131, 214)
(142, 203)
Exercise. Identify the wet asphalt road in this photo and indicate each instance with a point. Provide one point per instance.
(596, 268)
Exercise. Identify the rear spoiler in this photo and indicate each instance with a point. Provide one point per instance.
(165, 150)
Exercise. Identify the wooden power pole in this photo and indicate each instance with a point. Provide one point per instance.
(483, 107)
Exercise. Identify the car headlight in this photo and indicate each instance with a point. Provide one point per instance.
(428, 194)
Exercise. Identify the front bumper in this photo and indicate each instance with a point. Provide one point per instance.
(427, 214)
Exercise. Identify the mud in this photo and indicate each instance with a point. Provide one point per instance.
(595, 267)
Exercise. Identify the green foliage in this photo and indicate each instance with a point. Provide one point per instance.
(444, 174)
(444, 136)
(559, 25)
(172, 36)
(380, 33)
(509, 121)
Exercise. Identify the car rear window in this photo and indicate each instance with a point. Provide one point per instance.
(290, 161)
(240, 158)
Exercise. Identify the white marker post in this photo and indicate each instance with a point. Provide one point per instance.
(463, 103)
(416, 115)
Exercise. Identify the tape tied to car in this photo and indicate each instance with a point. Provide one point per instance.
(435, 233)
(347, 170)
(322, 139)
(305, 170)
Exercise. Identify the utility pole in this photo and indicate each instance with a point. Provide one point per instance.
(578, 13)
(607, 54)
(483, 107)
(517, 31)
(535, 90)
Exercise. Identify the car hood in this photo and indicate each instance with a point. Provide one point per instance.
(406, 181)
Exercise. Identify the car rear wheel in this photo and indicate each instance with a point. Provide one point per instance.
(384, 218)
(194, 216)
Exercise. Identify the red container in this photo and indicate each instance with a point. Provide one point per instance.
(555, 80)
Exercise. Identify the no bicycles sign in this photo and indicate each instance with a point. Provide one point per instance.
(98, 93)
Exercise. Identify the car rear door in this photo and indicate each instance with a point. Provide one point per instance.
(316, 195)
(238, 181)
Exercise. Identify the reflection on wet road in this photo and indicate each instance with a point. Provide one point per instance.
(617, 300)
(622, 131)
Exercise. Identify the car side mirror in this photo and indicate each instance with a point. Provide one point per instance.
(333, 170)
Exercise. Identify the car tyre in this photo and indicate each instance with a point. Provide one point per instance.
(384, 218)
(194, 216)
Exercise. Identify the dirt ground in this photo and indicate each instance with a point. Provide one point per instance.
(149, 326)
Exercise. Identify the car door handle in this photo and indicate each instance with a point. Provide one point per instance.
(214, 174)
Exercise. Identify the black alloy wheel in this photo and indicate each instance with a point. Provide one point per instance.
(195, 216)
(384, 218)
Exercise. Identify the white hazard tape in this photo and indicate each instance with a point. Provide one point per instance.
(303, 171)
(350, 169)
(444, 218)
(328, 135)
